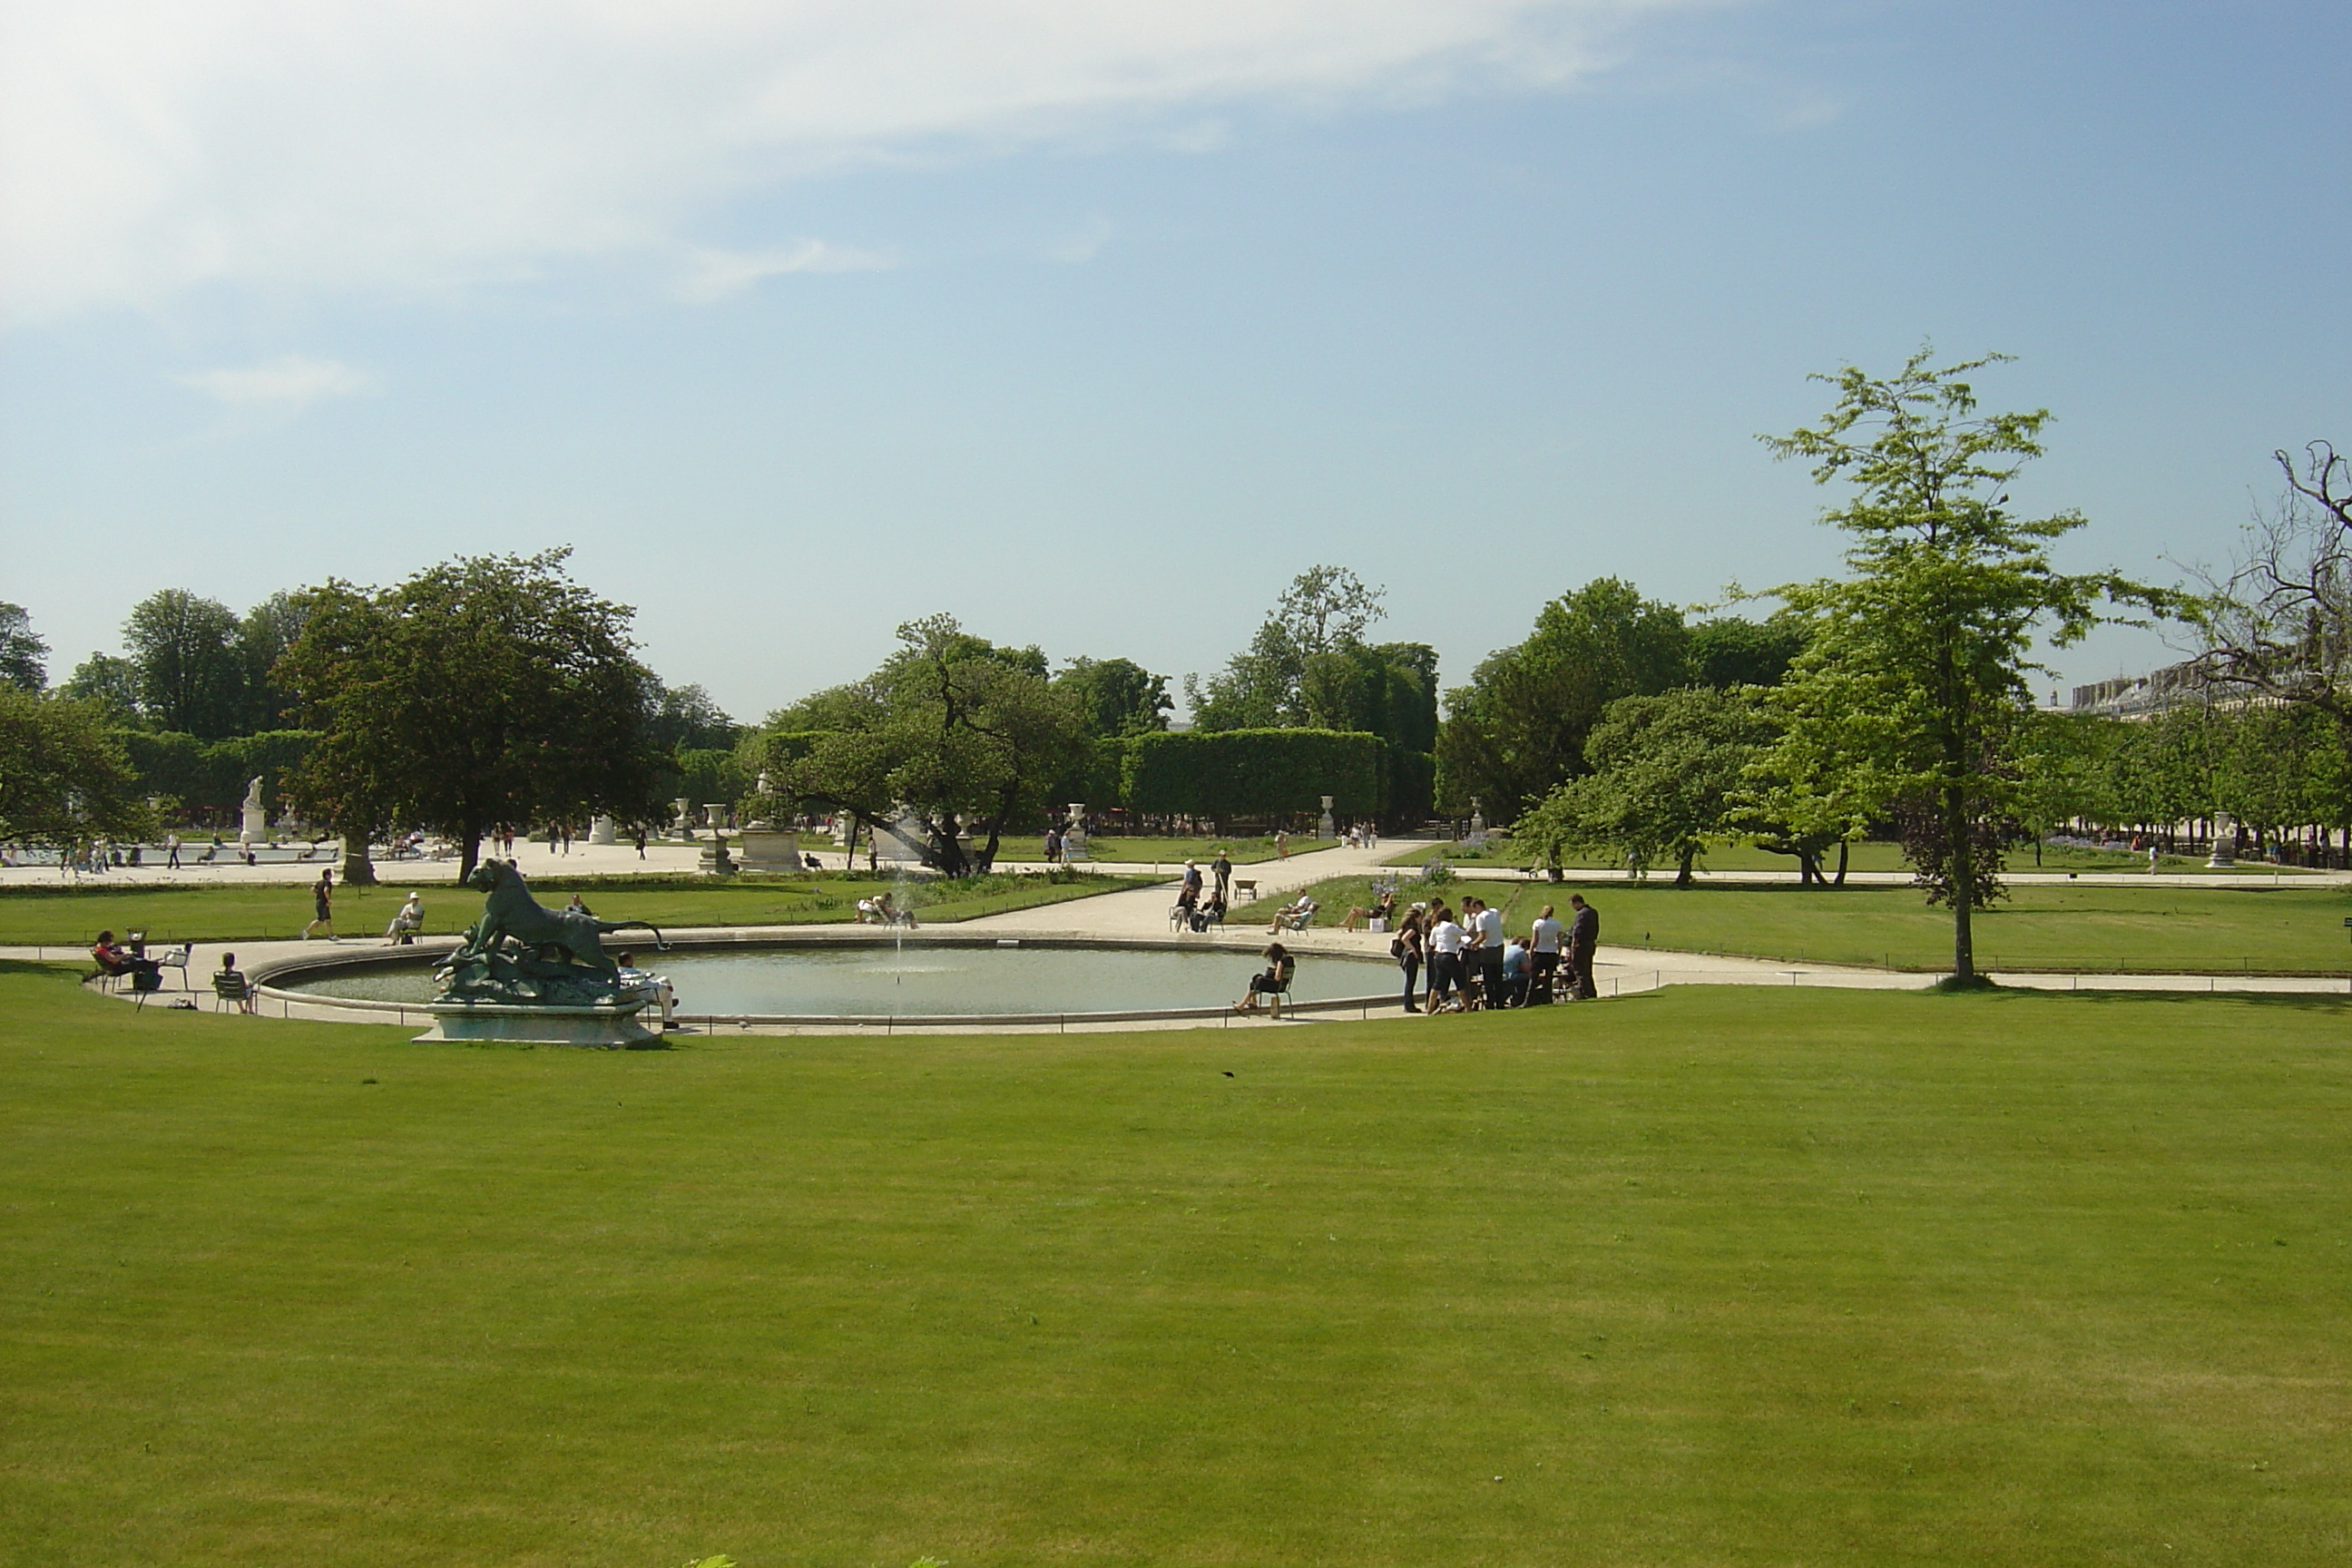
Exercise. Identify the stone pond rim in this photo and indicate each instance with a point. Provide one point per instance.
(346, 960)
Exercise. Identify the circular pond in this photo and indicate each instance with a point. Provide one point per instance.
(934, 978)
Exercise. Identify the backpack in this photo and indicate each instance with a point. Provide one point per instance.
(1396, 947)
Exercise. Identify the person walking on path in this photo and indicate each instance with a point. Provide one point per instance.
(322, 901)
(1405, 948)
(1583, 939)
(172, 849)
(1543, 956)
(1282, 845)
(1222, 868)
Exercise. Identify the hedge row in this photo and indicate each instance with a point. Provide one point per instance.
(1263, 773)
(211, 775)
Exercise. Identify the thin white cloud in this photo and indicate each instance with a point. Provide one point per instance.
(715, 275)
(286, 385)
(148, 146)
(1081, 245)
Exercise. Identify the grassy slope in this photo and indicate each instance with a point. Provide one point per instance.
(2297, 930)
(1720, 1278)
(237, 912)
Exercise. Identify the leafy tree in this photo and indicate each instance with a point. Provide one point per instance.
(110, 683)
(1517, 731)
(1666, 773)
(1116, 696)
(1325, 608)
(267, 630)
(1916, 665)
(1731, 651)
(485, 691)
(956, 731)
(23, 655)
(63, 776)
(192, 677)
(684, 718)
(2061, 773)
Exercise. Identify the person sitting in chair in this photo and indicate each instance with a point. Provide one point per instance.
(404, 925)
(1292, 916)
(1270, 983)
(1382, 908)
(655, 989)
(1211, 913)
(114, 959)
(229, 982)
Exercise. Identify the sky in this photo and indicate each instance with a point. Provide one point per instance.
(1092, 324)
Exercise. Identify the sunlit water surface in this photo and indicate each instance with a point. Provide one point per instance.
(882, 980)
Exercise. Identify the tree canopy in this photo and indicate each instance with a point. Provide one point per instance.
(1915, 674)
(23, 655)
(1518, 729)
(63, 776)
(1666, 770)
(485, 691)
(965, 736)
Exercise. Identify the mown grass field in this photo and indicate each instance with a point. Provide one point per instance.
(1707, 1277)
(2287, 930)
(243, 912)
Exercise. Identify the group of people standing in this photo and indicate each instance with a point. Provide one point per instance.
(1470, 963)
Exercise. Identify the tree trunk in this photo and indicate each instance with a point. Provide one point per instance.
(469, 851)
(1683, 870)
(1962, 849)
(359, 871)
(1843, 846)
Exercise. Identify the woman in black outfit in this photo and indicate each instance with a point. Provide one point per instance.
(1407, 950)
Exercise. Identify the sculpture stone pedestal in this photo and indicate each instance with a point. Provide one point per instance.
(1326, 829)
(768, 849)
(600, 831)
(501, 1022)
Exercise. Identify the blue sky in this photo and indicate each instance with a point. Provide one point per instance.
(1092, 325)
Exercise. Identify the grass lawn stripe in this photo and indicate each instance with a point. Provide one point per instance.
(1706, 1277)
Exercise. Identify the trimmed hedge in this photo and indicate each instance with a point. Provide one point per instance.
(1254, 772)
(210, 776)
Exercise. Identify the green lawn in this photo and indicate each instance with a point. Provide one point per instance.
(1703, 1277)
(1870, 856)
(237, 912)
(2288, 929)
(1166, 851)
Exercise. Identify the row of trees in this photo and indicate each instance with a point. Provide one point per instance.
(1902, 698)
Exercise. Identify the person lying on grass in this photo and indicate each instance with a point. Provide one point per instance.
(1271, 982)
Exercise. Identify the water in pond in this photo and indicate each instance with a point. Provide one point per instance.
(940, 979)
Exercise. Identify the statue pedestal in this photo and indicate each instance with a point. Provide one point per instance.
(255, 827)
(600, 831)
(768, 849)
(501, 1023)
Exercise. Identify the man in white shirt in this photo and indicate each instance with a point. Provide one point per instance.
(1445, 939)
(1543, 956)
(1486, 948)
(655, 988)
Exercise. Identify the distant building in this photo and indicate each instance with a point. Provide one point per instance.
(2139, 696)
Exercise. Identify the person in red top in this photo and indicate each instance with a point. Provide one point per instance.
(116, 959)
